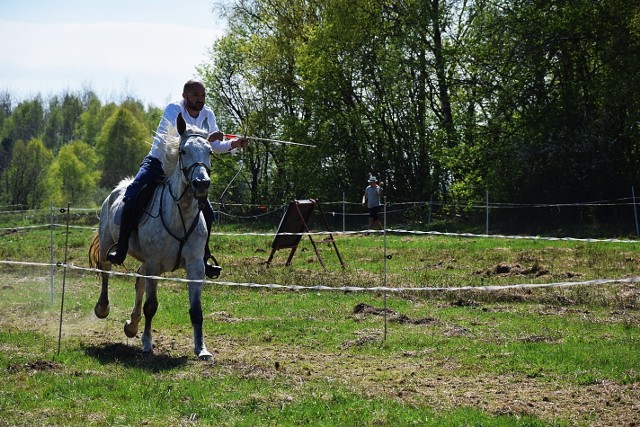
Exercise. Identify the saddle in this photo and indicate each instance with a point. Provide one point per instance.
(143, 204)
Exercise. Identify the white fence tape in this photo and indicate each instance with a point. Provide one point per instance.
(628, 280)
(389, 231)
(634, 279)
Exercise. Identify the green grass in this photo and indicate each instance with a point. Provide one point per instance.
(460, 358)
(77, 389)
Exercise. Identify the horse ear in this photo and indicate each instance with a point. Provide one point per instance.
(181, 124)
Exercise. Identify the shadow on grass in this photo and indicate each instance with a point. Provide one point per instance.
(133, 357)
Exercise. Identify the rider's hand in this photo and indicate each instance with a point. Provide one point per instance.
(216, 136)
(240, 142)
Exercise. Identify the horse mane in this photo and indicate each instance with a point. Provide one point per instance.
(170, 147)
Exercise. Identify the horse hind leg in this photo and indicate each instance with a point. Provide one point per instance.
(131, 325)
(102, 307)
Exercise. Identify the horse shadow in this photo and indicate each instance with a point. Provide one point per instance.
(132, 357)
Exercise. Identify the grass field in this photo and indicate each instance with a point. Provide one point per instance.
(553, 356)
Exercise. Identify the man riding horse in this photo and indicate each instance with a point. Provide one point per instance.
(151, 173)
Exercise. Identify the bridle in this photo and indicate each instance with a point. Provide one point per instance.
(187, 172)
(188, 175)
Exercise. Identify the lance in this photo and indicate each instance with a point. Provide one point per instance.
(277, 141)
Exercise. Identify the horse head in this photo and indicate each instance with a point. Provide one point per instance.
(194, 158)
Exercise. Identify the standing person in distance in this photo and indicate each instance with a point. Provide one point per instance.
(195, 113)
(371, 199)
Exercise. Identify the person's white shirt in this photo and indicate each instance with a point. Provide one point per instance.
(206, 120)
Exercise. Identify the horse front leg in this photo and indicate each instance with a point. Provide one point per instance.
(195, 312)
(150, 308)
(195, 273)
(131, 325)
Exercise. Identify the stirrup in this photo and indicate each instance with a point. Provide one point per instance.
(212, 271)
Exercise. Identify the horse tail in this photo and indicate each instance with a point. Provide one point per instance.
(94, 252)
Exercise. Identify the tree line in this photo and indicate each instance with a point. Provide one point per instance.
(532, 101)
(69, 148)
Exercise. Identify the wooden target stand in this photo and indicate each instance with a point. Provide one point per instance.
(294, 224)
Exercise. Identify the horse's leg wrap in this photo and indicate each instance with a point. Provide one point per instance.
(198, 337)
(150, 308)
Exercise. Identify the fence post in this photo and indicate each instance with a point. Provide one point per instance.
(344, 214)
(429, 214)
(51, 290)
(635, 209)
(384, 260)
(64, 274)
(487, 219)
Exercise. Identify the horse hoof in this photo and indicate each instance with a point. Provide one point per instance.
(130, 330)
(205, 356)
(101, 312)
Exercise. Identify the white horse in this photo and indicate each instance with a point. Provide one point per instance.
(171, 233)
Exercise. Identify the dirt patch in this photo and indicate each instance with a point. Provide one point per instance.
(359, 342)
(507, 270)
(35, 366)
(392, 316)
(629, 297)
(434, 380)
(460, 302)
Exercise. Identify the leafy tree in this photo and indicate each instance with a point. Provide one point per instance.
(555, 86)
(5, 113)
(93, 118)
(152, 117)
(23, 180)
(368, 82)
(27, 120)
(25, 123)
(73, 175)
(122, 144)
(5, 106)
(62, 120)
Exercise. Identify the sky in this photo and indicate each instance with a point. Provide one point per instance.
(146, 49)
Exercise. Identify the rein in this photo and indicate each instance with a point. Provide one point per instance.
(187, 233)
(187, 173)
(242, 160)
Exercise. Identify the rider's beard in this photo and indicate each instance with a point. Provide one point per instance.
(196, 106)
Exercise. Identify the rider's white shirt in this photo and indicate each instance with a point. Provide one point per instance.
(206, 120)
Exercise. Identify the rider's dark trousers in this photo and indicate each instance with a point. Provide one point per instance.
(149, 175)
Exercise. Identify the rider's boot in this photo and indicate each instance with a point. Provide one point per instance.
(211, 267)
(118, 252)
